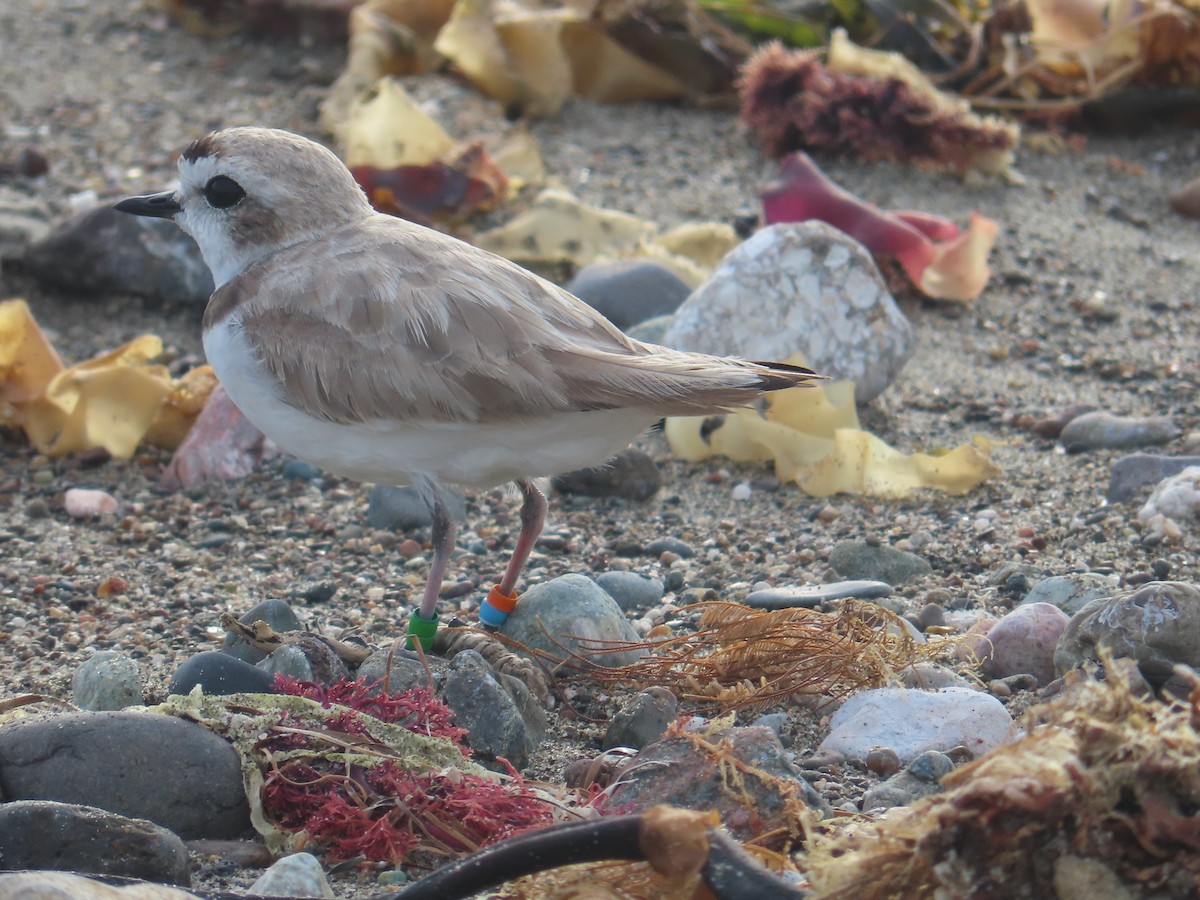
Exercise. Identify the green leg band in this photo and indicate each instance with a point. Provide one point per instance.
(422, 631)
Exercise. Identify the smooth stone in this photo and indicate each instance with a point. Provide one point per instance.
(298, 875)
(920, 778)
(402, 509)
(299, 470)
(105, 252)
(929, 676)
(1103, 430)
(43, 834)
(1071, 592)
(1023, 642)
(1157, 625)
(407, 671)
(574, 611)
(175, 773)
(659, 546)
(488, 712)
(106, 681)
(775, 721)
(276, 613)
(631, 590)
(678, 772)
(1131, 475)
(631, 474)
(652, 331)
(243, 854)
(808, 596)
(643, 720)
(43, 885)
(800, 288)
(86, 503)
(219, 673)
(911, 722)
(289, 661)
(877, 562)
(629, 291)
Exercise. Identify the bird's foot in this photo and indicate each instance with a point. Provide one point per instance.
(494, 610)
(421, 631)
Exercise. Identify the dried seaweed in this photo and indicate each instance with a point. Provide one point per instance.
(451, 641)
(1103, 791)
(740, 657)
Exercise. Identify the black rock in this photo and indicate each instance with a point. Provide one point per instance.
(402, 509)
(276, 613)
(220, 673)
(631, 473)
(629, 291)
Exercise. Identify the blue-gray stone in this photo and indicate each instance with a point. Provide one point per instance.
(402, 509)
(407, 671)
(643, 720)
(1103, 430)
(809, 596)
(489, 713)
(659, 546)
(276, 613)
(574, 611)
(107, 680)
(288, 660)
(300, 470)
(775, 721)
(298, 875)
(652, 331)
(920, 778)
(877, 562)
(1071, 592)
(629, 291)
(631, 590)
(1131, 475)
(220, 673)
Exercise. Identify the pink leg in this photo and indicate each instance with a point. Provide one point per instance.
(444, 532)
(500, 600)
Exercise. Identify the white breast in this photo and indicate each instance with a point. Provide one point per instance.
(392, 451)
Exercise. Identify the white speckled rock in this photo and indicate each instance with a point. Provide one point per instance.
(800, 287)
(911, 722)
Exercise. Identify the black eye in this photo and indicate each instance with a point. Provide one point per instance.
(223, 192)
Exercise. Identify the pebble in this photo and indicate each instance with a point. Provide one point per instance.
(574, 611)
(631, 474)
(1051, 427)
(299, 470)
(659, 546)
(652, 331)
(809, 596)
(407, 671)
(927, 676)
(298, 875)
(288, 660)
(1131, 475)
(1023, 642)
(1071, 592)
(876, 562)
(402, 509)
(142, 765)
(107, 680)
(37, 508)
(43, 834)
(219, 673)
(1103, 430)
(483, 706)
(679, 772)
(631, 590)
(775, 721)
(931, 615)
(1174, 506)
(800, 288)
(911, 722)
(276, 613)
(1157, 626)
(920, 778)
(882, 761)
(643, 720)
(220, 446)
(1185, 199)
(85, 503)
(103, 251)
(629, 291)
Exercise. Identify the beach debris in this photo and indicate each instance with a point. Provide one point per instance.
(815, 440)
(944, 262)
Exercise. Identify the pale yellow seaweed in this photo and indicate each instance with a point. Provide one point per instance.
(386, 129)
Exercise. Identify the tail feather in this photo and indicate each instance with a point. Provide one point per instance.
(780, 376)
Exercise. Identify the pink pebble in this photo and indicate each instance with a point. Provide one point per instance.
(1023, 642)
(82, 503)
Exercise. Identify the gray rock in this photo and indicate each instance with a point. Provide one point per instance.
(775, 721)
(929, 676)
(488, 712)
(576, 613)
(631, 590)
(808, 596)
(643, 720)
(288, 660)
(877, 562)
(1024, 641)
(1131, 475)
(298, 875)
(911, 722)
(22, 222)
(652, 331)
(402, 509)
(1072, 592)
(1103, 430)
(107, 252)
(804, 288)
(1157, 625)
(175, 773)
(631, 474)
(43, 834)
(276, 613)
(629, 291)
(920, 778)
(107, 680)
(407, 671)
(219, 673)
(659, 546)
(299, 470)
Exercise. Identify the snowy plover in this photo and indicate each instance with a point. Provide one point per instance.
(386, 352)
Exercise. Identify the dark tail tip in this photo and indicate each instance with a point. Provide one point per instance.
(779, 376)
